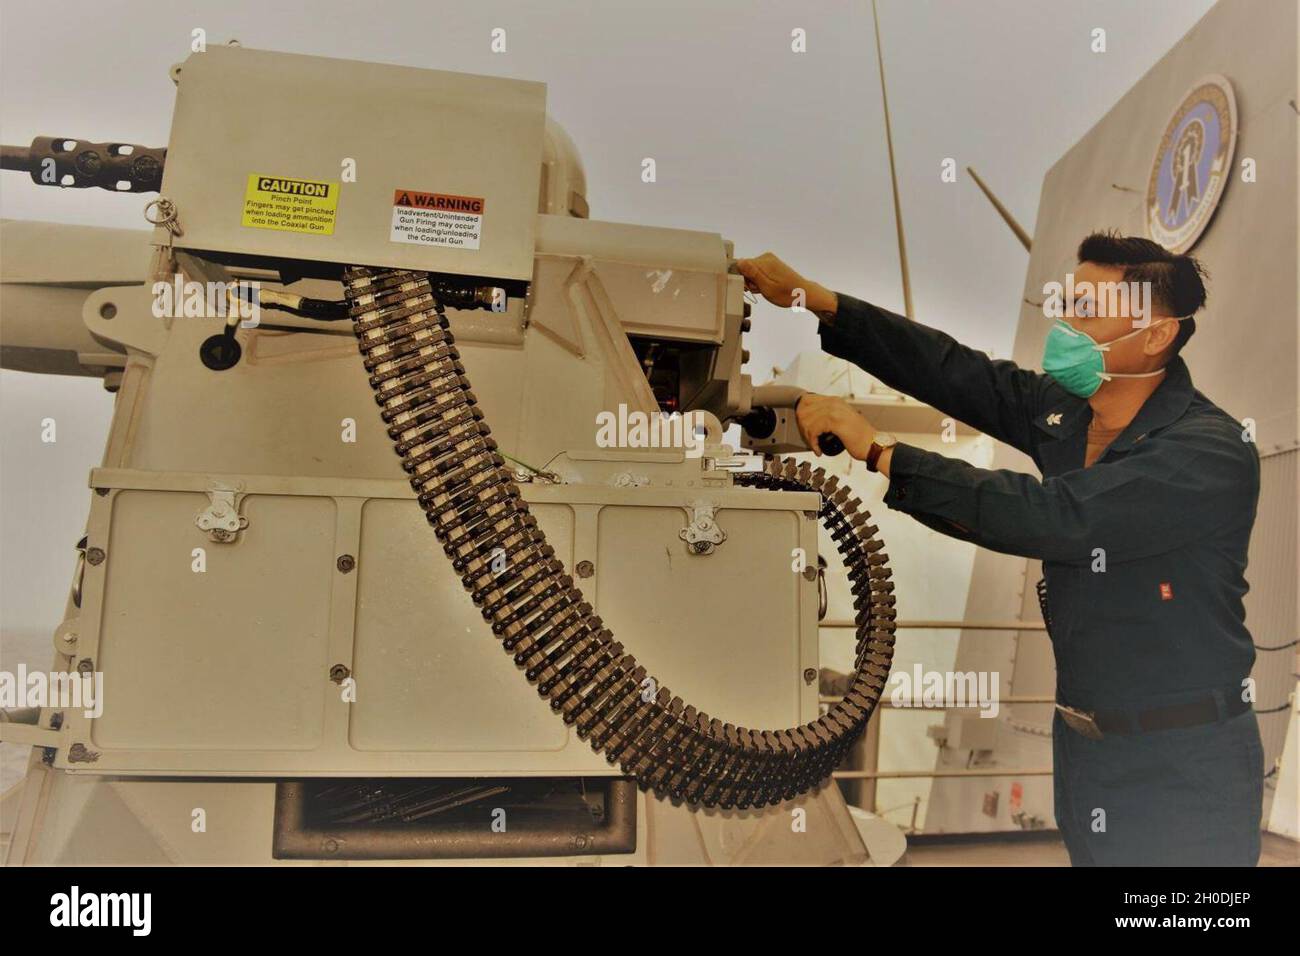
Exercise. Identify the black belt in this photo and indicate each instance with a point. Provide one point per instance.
(1202, 710)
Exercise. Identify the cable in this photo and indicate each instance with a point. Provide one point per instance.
(1276, 647)
(535, 471)
(322, 310)
(1274, 710)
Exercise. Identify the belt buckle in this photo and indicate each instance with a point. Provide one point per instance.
(1080, 721)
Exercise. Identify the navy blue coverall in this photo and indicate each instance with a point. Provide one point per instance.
(1168, 508)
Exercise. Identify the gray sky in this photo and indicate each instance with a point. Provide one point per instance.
(773, 149)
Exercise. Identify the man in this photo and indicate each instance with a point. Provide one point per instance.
(1142, 520)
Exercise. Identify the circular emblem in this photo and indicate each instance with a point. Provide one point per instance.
(1192, 164)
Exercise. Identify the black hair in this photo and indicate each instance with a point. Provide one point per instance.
(1177, 281)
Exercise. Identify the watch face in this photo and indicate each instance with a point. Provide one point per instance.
(885, 440)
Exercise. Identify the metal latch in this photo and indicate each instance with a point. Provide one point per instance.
(703, 533)
(746, 464)
(221, 518)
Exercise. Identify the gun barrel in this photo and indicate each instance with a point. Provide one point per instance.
(77, 164)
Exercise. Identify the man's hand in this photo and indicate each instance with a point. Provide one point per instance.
(818, 414)
(779, 284)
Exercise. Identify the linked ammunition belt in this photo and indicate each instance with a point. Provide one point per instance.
(592, 683)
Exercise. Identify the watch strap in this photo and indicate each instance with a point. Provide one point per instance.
(873, 455)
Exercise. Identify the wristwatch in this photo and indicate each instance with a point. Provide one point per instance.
(882, 441)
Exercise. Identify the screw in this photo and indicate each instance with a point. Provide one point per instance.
(810, 675)
(330, 846)
(89, 162)
(108, 310)
(95, 555)
(339, 673)
(585, 569)
(810, 573)
(85, 666)
(346, 563)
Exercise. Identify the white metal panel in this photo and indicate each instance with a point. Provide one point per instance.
(1272, 611)
(241, 112)
(205, 676)
(190, 662)
(434, 676)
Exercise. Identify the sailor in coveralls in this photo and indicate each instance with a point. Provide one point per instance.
(1141, 519)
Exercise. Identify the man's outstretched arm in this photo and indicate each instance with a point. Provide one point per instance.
(1133, 507)
(997, 397)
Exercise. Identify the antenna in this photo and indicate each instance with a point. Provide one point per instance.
(893, 175)
(1026, 240)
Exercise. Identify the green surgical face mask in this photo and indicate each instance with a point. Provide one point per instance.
(1077, 361)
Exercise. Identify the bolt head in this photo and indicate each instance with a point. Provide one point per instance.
(65, 639)
(89, 162)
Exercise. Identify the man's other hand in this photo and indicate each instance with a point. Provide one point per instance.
(779, 284)
(818, 414)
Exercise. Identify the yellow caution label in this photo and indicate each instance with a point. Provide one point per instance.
(291, 205)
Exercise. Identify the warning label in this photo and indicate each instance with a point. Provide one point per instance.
(290, 205)
(437, 219)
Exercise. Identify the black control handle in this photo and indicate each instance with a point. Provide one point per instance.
(830, 443)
